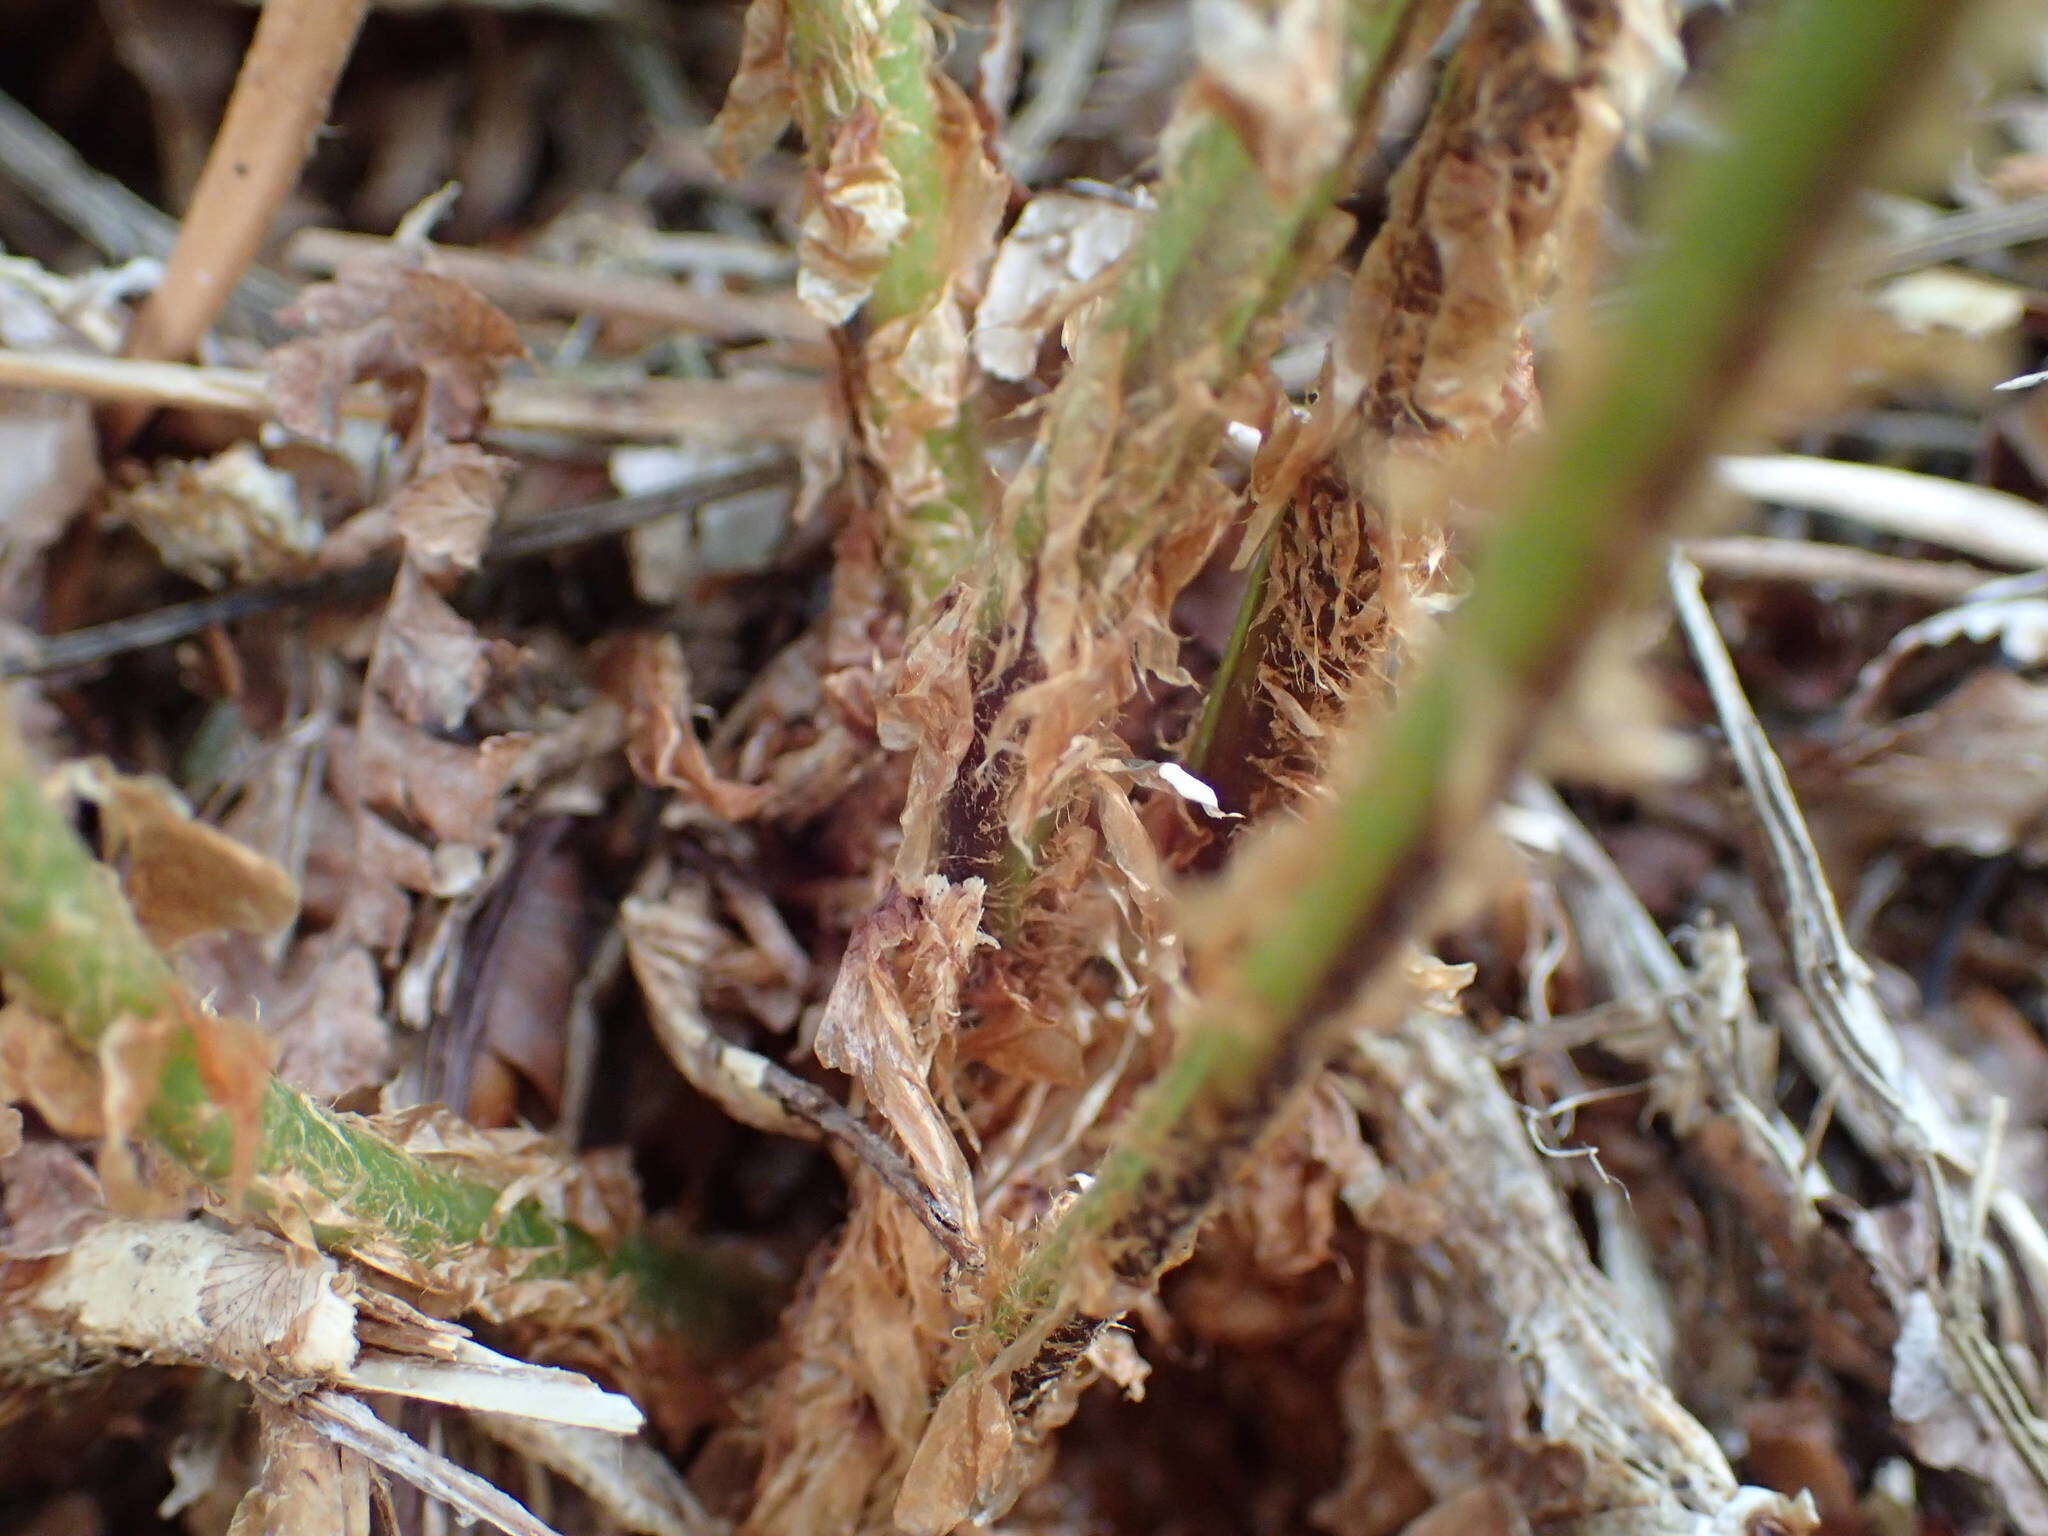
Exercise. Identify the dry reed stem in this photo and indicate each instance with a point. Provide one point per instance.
(520, 283)
(657, 410)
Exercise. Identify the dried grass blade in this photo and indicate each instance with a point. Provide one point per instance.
(1947, 1365)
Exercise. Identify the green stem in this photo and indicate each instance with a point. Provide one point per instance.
(844, 57)
(1341, 895)
(1226, 731)
(72, 952)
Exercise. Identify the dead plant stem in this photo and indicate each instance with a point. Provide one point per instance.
(279, 101)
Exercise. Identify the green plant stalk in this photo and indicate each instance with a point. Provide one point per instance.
(1225, 724)
(829, 42)
(1349, 888)
(72, 952)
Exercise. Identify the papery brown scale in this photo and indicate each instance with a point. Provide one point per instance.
(761, 96)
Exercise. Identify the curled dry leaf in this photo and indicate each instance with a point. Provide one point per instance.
(1287, 1205)
(917, 367)
(449, 789)
(670, 942)
(40, 1067)
(433, 342)
(228, 517)
(182, 876)
(444, 513)
(929, 712)
(429, 662)
(856, 216)
(674, 945)
(891, 1015)
(649, 678)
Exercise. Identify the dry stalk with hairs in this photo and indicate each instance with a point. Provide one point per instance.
(1308, 944)
(1432, 361)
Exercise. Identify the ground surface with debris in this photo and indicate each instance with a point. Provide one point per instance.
(1063, 766)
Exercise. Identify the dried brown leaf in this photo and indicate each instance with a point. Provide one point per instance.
(891, 1015)
(328, 1021)
(1287, 1203)
(52, 1198)
(867, 1344)
(445, 512)
(962, 1452)
(761, 97)
(529, 956)
(650, 680)
(449, 789)
(182, 876)
(434, 342)
(429, 662)
(1970, 772)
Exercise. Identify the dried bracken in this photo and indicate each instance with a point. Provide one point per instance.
(957, 801)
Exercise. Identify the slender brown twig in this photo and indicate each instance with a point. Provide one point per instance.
(279, 101)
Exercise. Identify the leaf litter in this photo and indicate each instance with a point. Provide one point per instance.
(793, 903)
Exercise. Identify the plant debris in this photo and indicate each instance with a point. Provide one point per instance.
(937, 785)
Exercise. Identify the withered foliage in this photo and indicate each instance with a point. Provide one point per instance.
(784, 907)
